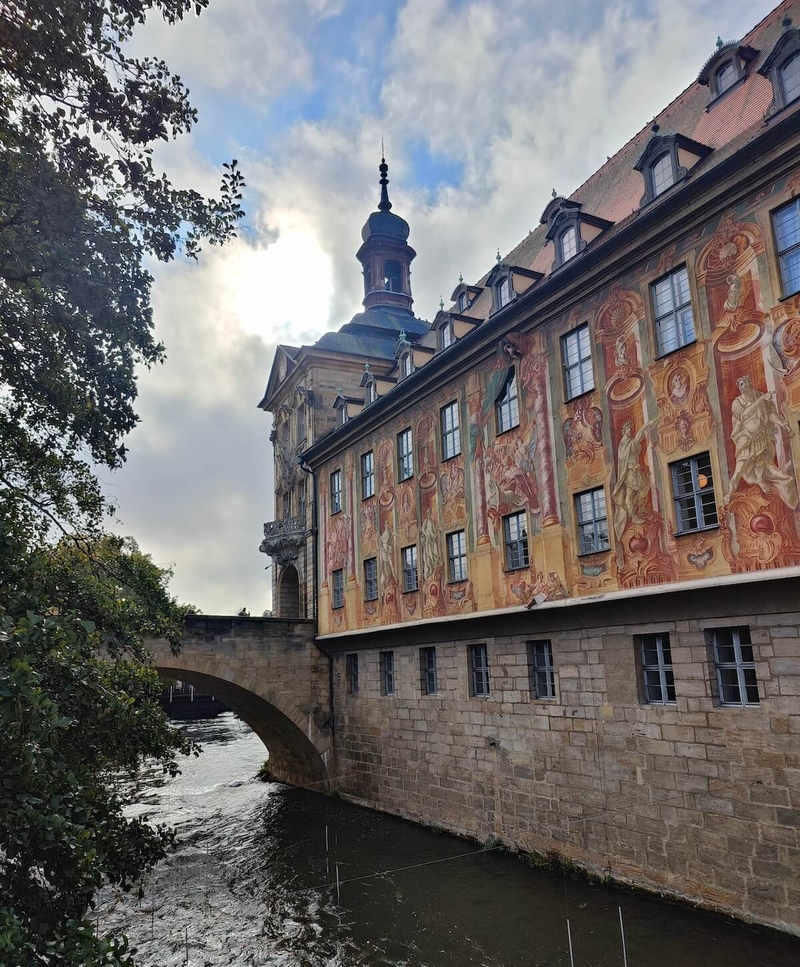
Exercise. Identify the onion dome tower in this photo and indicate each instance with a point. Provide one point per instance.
(386, 255)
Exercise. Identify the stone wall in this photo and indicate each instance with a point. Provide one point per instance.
(692, 799)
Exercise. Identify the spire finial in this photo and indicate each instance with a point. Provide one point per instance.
(499, 256)
(655, 127)
(366, 365)
(402, 336)
(384, 205)
(460, 278)
(441, 304)
(555, 194)
(720, 42)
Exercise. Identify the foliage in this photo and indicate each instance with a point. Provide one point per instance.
(71, 723)
(81, 206)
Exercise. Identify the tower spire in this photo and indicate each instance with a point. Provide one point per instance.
(384, 205)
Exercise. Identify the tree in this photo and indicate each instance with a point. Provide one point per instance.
(72, 724)
(81, 206)
(82, 209)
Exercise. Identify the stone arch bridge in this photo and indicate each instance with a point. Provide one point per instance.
(270, 672)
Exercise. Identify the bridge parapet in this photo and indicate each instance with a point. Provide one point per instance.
(271, 673)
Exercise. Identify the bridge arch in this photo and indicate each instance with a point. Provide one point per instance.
(271, 674)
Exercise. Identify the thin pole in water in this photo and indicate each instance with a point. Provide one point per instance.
(187, 945)
(569, 938)
(622, 931)
(338, 891)
(327, 854)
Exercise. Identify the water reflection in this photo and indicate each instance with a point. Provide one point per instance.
(252, 883)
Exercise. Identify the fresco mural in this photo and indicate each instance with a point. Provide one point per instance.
(734, 393)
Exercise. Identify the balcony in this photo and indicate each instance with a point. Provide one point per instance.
(283, 539)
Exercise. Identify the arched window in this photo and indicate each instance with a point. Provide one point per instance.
(662, 173)
(405, 364)
(569, 244)
(372, 393)
(503, 292)
(463, 302)
(790, 79)
(393, 280)
(447, 335)
(724, 77)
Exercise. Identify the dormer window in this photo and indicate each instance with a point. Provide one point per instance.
(503, 291)
(662, 174)
(463, 303)
(724, 77)
(372, 392)
(782, 67)
(568, 241)
(446, 337)
(667, 160)
(405, 365)
(392, 276)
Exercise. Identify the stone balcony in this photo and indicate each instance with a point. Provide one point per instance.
(283, 539)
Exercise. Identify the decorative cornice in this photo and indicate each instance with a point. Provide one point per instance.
(283, 540)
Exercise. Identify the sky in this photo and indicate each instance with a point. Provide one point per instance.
(484, 106)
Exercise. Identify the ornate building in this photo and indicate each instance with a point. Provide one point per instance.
(557, 531)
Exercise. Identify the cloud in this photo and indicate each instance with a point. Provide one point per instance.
(521, 95)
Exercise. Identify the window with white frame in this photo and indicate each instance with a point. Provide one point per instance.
(451, 430)
(568, 241)
(504, 292)
(515, 533)
(506, 405)
(540, 670)
(672, 309)
(405, 365)
(479, 670)
(405, 455)
(372, 391)
(590, 510)
(735, 664)
(371, 579)
(576, 357)
(446, 335)
(387, 673)
(790, 79)
(351, 673)
(337, 586)
(463, 302)
(429, 678)
(457, 556)
(786, 224)
(336, 491)
(408, 556)
(693, 489)
(658, 681)
(725, 77)
(367, 475)
(662, 173)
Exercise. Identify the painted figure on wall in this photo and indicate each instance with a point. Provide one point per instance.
(429, 541)
(756, 422)
(632, 484)
(386, 556)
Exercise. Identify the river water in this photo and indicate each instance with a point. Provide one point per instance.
(251, 884)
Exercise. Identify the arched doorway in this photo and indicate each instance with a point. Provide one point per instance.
(289, 593)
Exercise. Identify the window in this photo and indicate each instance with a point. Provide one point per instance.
(672, 308)
(372, 392)
(590, 508)
(337, 583)
(662, 174)
(392, 276)
(446, 335)
(569, 244)
(506, 406)
(351, 662)
(540, 670)
(479, 670)
(790, 79)
(515, 530)
(576, 356)
(405, 365)
(367, 475)
(303, 501)
(409, 557)
(371, 579)
(463, 302)
(287, 505)
(724, 77)
(336, 491)
(429, 678)
(405, 457)
(451, 432)
(457, 556)
(658, 681)
(693, 488)
(343, 414)
(504, 292)
(736, 669)
(387, 673)
(786, 223)
(367, 278)
(300, 418)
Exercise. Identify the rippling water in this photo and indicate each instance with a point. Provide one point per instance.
(251, 884)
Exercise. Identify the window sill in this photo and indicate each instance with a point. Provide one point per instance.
(672, 352)
(336, 607)
(451, 457)
(791, 295)
(737, 705)
(513, 570)
(370, 600)
(695, 530)
(659, 704)
(403, 479)
(600, 550)
(721, 97)
(368, 497)
(410, 590)
(577, 396)
(507, 430)
(333, 513)
(451, 583)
